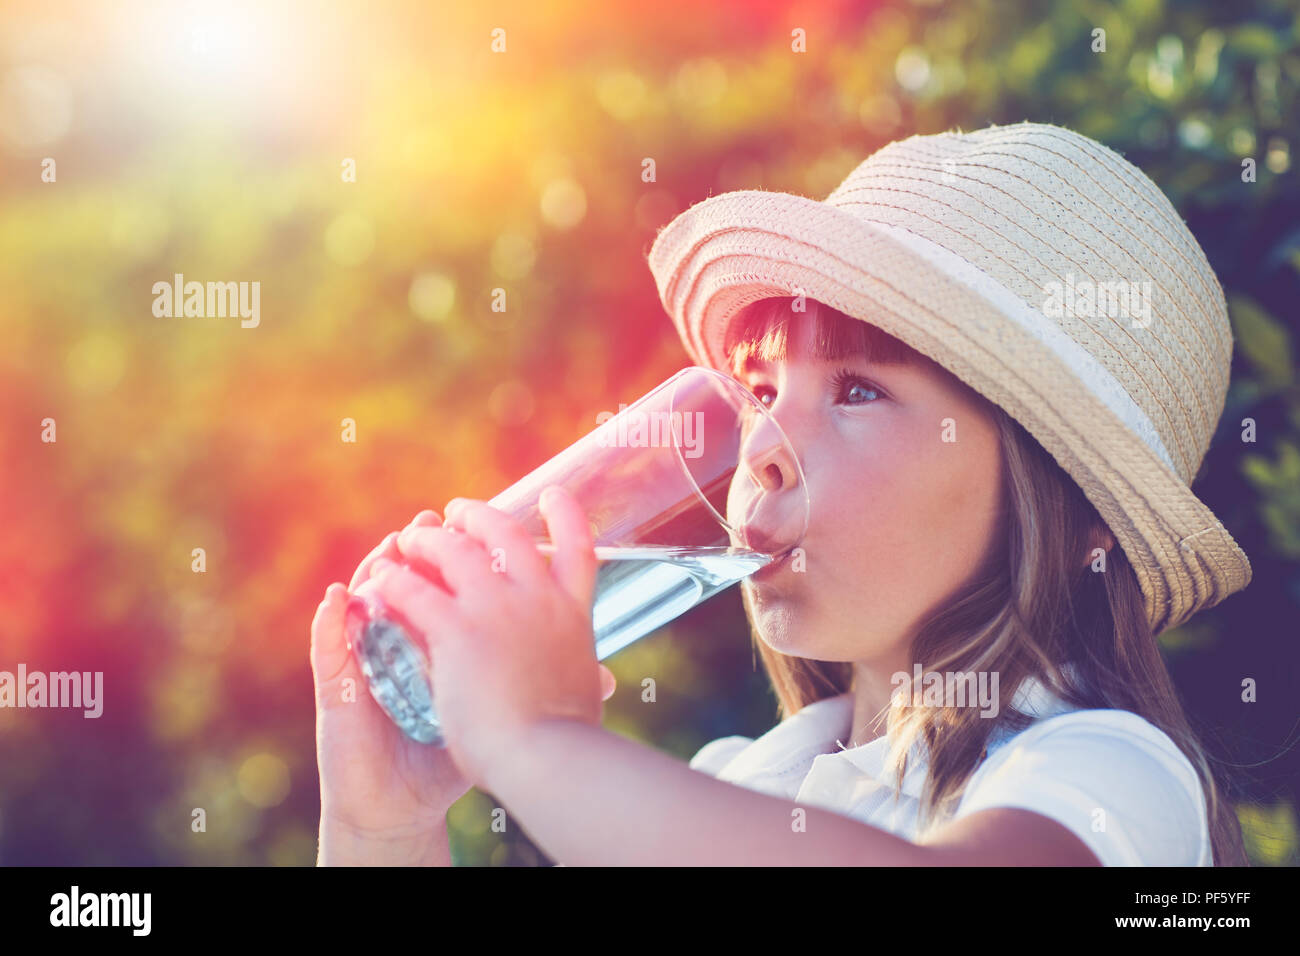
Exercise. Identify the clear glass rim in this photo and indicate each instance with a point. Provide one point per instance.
(736, 387)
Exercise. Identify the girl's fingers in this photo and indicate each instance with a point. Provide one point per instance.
(458, 558)
(329, 648)
(427, 517)
(574, 564)
(422, 603)
(388, 547)
(512, 549)
(384, 550)
(607, 682)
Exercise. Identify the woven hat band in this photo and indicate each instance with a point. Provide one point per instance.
(1092, 373)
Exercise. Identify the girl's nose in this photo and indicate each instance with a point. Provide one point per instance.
(775, 511)
(767, 457)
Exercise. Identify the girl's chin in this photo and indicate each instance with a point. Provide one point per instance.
(781, 629)
(781, 623)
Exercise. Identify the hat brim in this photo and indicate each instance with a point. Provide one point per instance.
(736, 248)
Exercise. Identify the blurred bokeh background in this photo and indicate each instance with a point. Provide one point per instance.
(211, 139)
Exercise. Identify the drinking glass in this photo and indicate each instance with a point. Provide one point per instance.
(688, 490)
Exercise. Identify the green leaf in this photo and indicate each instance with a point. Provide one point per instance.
(1263, 340)
(1269, 832)
(1258, 470)
(1254, 40)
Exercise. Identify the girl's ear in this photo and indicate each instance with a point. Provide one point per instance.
(1099, 537)
(1105, 539)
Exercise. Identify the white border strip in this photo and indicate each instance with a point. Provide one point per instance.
(1092, 373)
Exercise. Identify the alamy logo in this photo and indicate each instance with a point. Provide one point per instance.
(643, 429)
(57, 689)
(1088, 299)
(948, 689)
(102, 909)
(218, 300)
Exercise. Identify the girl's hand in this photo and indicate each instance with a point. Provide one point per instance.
(375, 781)
(510, 637)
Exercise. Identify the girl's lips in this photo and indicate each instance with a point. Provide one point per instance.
(760, 540)
(771, 568)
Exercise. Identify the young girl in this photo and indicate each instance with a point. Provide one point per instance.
(966, 661)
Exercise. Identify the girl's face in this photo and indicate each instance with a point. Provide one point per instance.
(900, 516)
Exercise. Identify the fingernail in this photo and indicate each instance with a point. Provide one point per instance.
(380, 566)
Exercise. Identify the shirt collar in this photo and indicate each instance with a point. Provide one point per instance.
(819, 732)
(1032, 698)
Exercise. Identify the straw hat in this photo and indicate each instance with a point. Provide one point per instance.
(1040, 268)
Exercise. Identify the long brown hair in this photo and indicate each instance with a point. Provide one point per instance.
(1032, 607)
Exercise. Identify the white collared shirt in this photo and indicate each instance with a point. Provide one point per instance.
(1109, 776)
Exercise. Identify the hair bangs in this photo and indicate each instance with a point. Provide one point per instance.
(762, 331)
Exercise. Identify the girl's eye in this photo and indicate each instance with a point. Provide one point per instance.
(847, 383)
